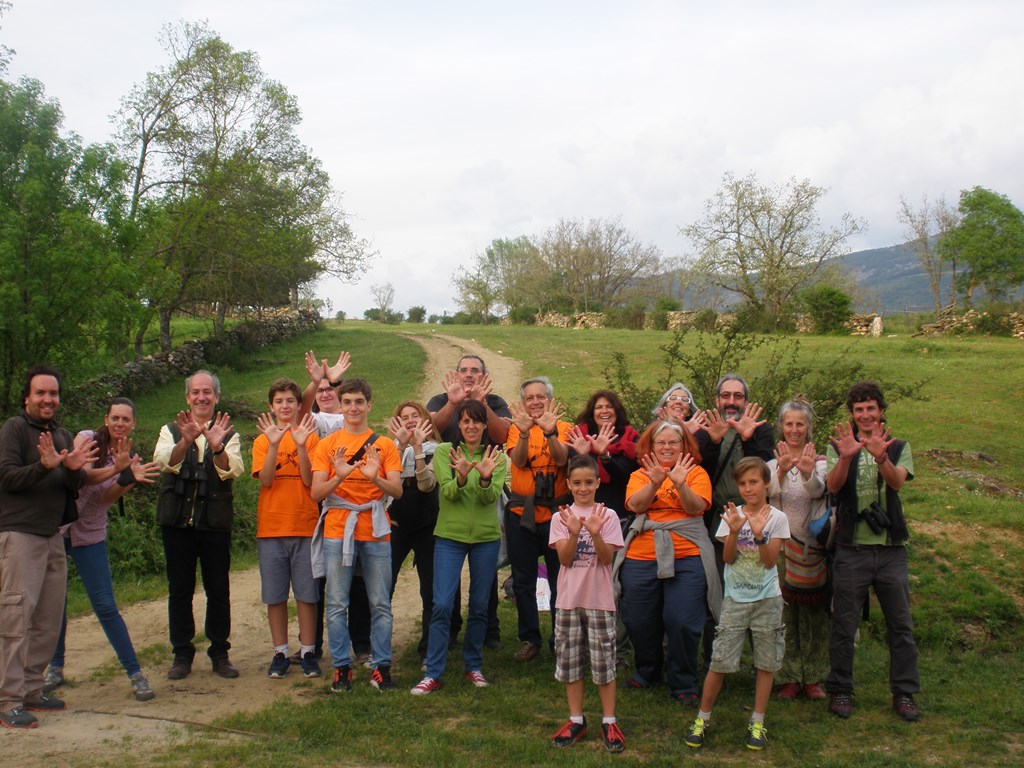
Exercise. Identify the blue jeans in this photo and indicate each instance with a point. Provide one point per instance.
(94, 569)
(654, 608)
(524, 547)
(448, 559)
(374, 558)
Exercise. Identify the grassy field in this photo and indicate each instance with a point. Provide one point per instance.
(967, 586)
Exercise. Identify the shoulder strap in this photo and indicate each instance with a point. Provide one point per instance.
(362, 449)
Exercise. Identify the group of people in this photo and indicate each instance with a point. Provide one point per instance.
(700, 525)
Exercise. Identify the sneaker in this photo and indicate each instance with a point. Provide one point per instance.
(633, 685)
(225, 668)
(427, 685)
(477, 678)
(310, 666)
(381, 679)
(18, 718)
(53, 680)
(363, 658)
(788, 692)
(841, 705)
(906, 707)
(46, 704)
(758, 737)
(342, 679)
(814, 692)
(527, 652)
(614, 741)
(688, 700)
(698, 733)
(278, 666)
(180, 669)
(569, 734)
(141, 687)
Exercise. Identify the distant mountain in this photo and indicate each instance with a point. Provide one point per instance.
(892, 280)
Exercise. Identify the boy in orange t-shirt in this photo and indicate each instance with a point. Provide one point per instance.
(353, 473)
(285, 518)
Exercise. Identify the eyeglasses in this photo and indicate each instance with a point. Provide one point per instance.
(469, 370)
(677, 399)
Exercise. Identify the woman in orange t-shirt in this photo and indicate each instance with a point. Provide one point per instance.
(672, 491)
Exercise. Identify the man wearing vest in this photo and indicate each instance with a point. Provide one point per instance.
(537, 446)
(200, 455)
(867, 467)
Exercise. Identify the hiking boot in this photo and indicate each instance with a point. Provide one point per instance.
(814, 692)
(53, 680)
(342, 679)
(225, 668)
(141, 687)
(906, 707)
(614, 741)
(310, 666)
(18, 718)
(758, 736)
(46, 704)
(180, 669)
(427, 685)
(380, 679)
(841, 705)
(788, 692)
(278, 666)
(527, 652)
(477, 678)
(698, 733)
(569, 734)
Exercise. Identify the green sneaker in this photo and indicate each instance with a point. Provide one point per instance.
(758, 737)
(698, 733)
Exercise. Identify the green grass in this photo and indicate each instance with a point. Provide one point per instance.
(966, 583)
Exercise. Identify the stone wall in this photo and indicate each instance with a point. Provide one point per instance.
(949, 321)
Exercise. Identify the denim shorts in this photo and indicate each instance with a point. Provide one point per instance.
(764, 620)
(285, 561)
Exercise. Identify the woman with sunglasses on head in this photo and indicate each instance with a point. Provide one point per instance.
(677, 403)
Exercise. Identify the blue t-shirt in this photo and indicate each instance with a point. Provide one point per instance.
(747, 580)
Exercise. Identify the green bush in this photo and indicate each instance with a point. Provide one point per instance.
(659, 320)
(630, 317)
(753, 318)
(706, 320)
(829, 308)
(994, 321)
(524, 315)
(417, 314)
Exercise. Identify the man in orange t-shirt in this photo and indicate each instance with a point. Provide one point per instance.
(537, 446)
(353, 473)
(285, 518)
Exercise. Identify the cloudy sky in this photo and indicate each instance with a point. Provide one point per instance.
(448, 124)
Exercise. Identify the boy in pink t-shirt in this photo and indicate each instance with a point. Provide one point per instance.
(586, 536)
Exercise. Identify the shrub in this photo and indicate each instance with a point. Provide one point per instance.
(829, 308)
(706, 320)
(523, 315)
(417, 314)
(630, 317)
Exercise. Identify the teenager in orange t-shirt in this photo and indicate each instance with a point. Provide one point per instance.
(285, 518)
(353, 473)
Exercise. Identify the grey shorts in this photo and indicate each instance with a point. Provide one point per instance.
(285, 561)
(582, 632)
(764, 620)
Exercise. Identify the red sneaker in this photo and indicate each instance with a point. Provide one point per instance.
(788, 692)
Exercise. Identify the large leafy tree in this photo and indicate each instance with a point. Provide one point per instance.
(63, 277)
(766, 242)
(508, 275)
(988, 243)
(234, 209)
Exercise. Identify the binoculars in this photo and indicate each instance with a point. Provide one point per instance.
(876, 517)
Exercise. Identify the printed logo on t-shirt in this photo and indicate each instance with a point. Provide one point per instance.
(586, 553)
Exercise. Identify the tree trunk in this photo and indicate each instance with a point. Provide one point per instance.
(219, 317)
(165, 330)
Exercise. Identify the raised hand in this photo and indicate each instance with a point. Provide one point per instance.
(302, 430)
(758, 520)
(717, 427)
(652, 467)
(314, 367)
(578, 441)
(572, 523)
(844, 440)
(48, 455)
(605, 436)
(371, 463)
(520, 418)
(399, 432)
(85, 451)
(877, 443)
(271, 429)
(481, 389)
(682, 468)
(453, 387)
(485, 466)
(189, 428)
(807, 459)
(145, 473)
(420, 434)
(595, 520)
(783, 457)
(122, 453)
(548, 421)
(697, 422)
(461, 462)
(749, 421)
(339, 460)
(733, 517)
(336, 371)
(218, 428)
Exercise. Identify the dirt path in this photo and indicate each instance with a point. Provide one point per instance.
(103, 720)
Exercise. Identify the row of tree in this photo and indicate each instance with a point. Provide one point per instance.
(204, 198)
